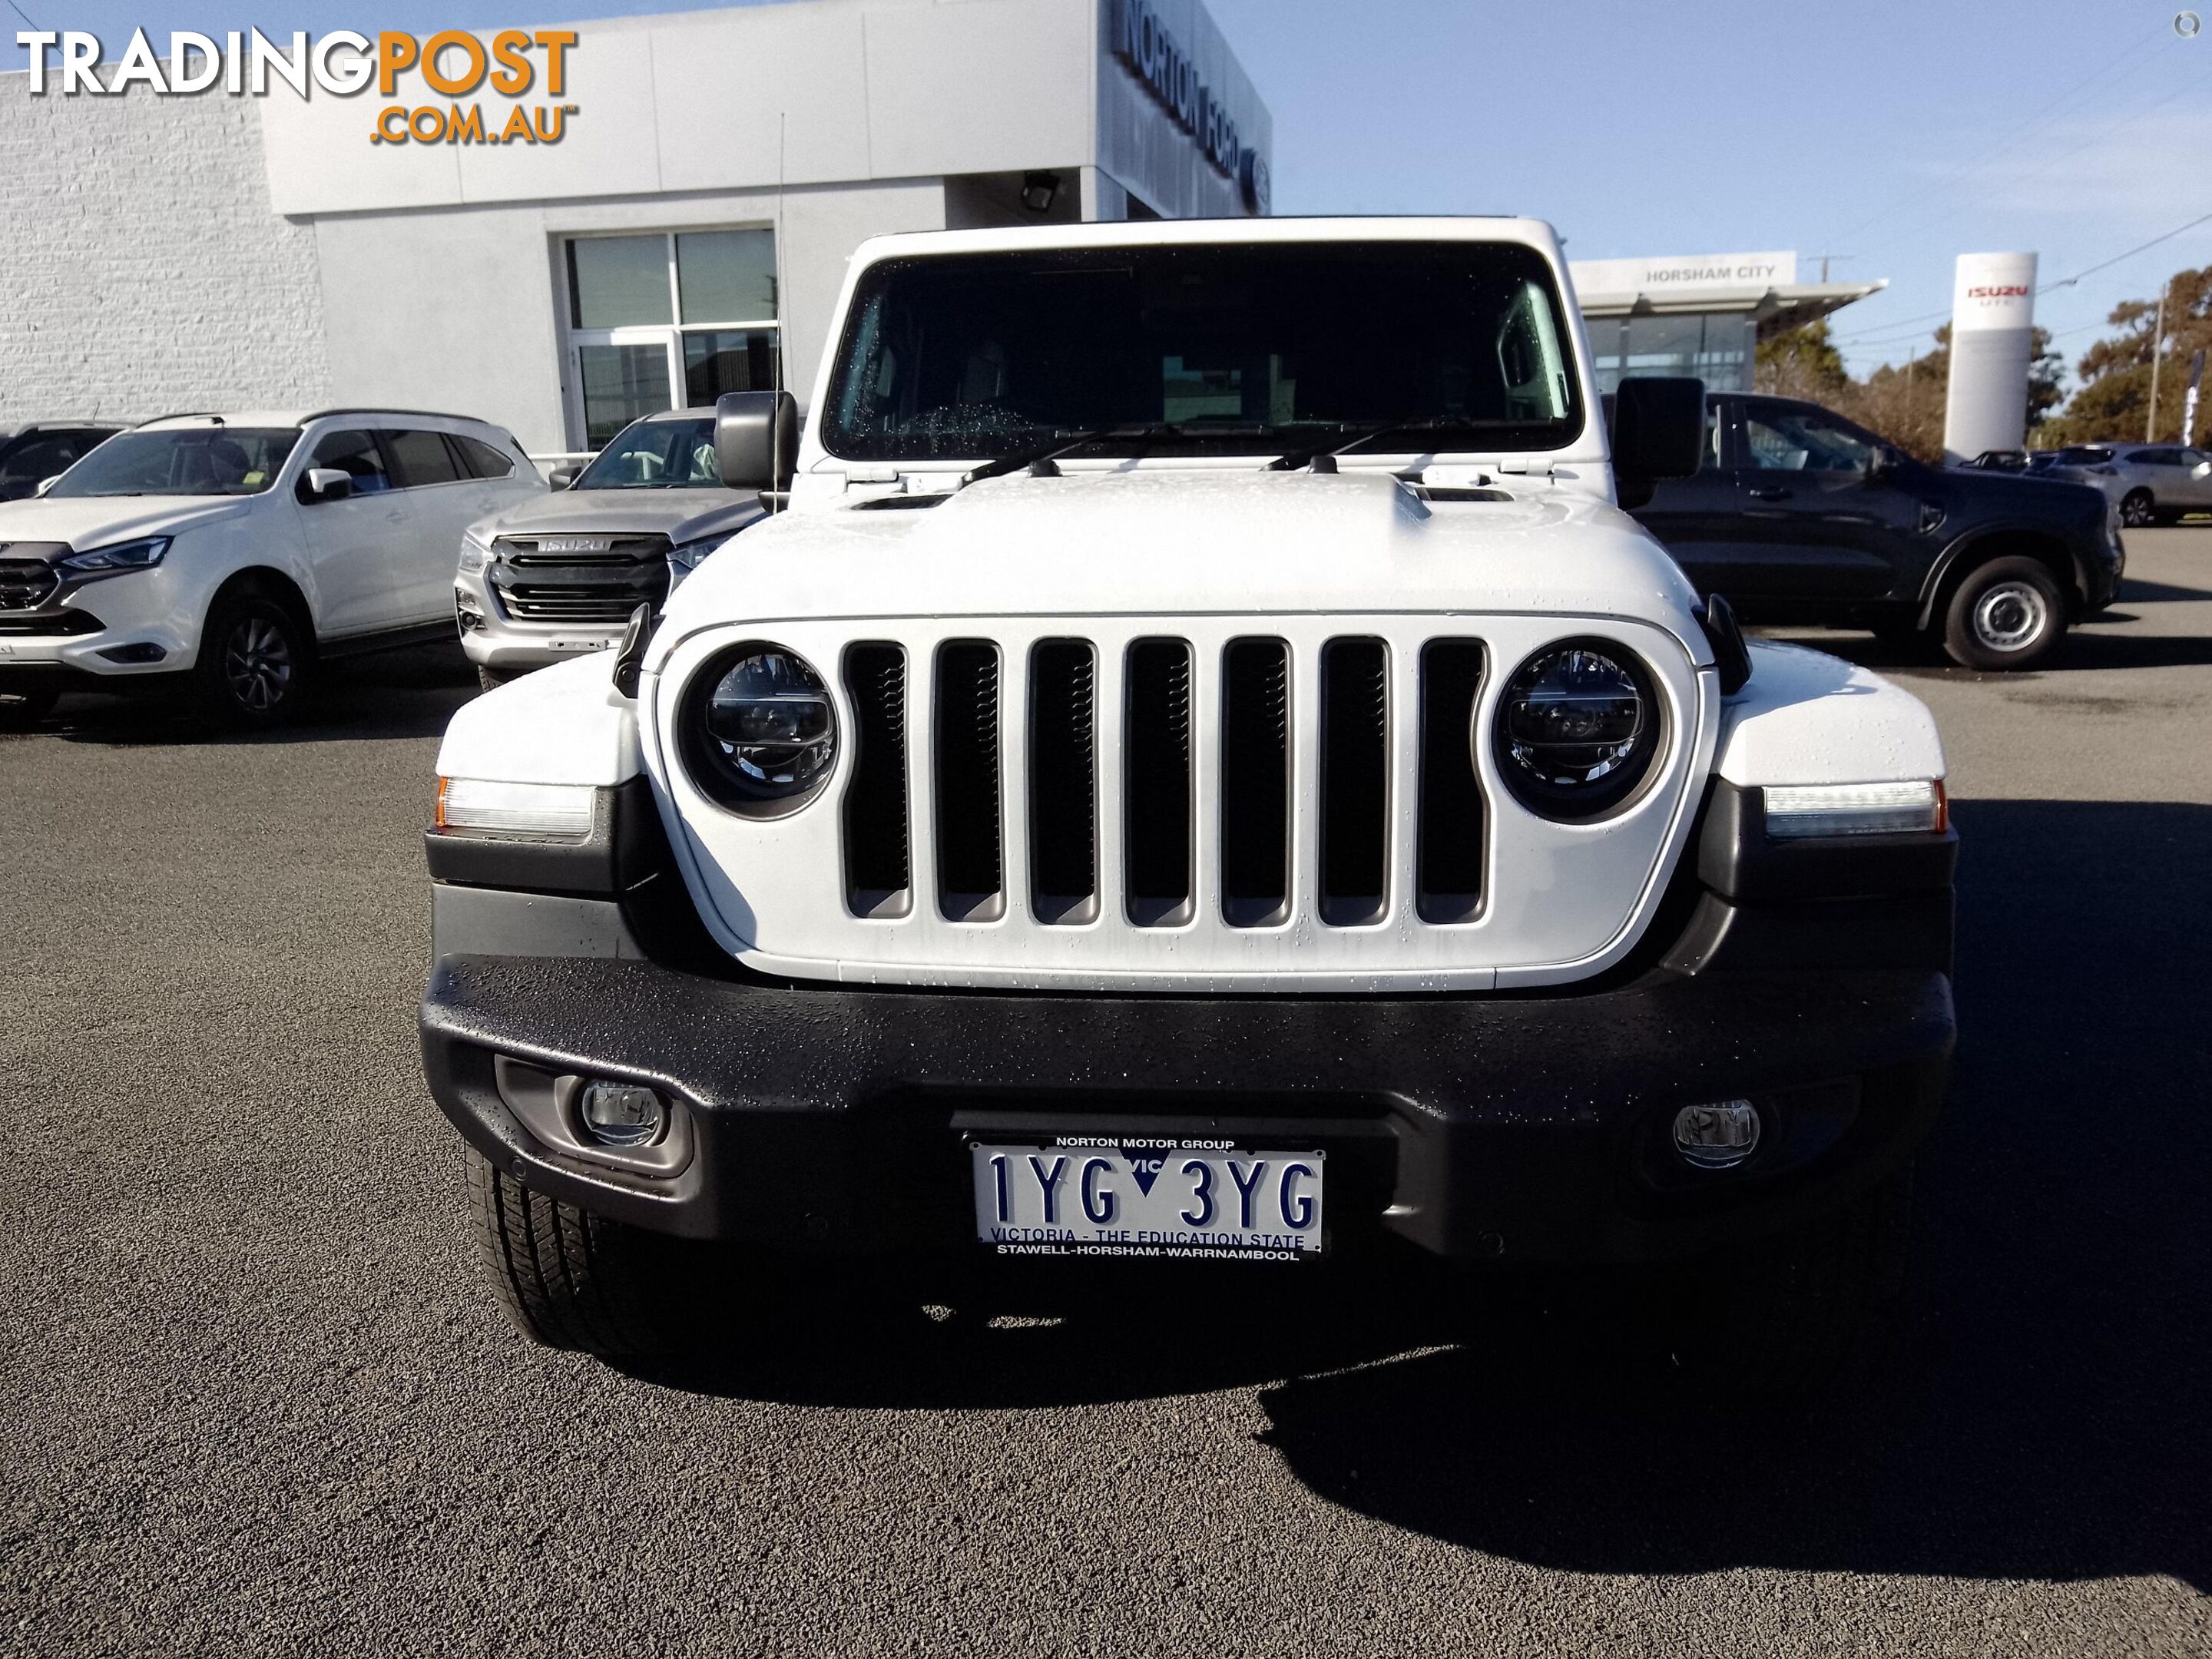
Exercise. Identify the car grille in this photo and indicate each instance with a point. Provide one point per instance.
(1199, 804)
(550, 579)
(26, 584)
(1250, 763)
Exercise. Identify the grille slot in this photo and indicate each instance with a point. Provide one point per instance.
(1355, 803)
(1256, 783)
(878, 870)
(1156, 782)
(971, 867)
(1063, 765)
(593, 604)
(1454, 817)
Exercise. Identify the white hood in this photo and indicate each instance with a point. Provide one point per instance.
(85, 521)
(1194, 544)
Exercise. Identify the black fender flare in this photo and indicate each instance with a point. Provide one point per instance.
(1986, 541)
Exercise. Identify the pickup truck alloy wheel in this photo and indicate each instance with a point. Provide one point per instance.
(2137, 509)
(2007, 614)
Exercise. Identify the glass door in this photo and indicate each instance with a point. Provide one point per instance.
(679, 313)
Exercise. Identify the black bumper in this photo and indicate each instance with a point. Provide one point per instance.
(1531, 1128)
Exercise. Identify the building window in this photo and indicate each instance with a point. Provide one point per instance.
(671, 319)
(1714, 346)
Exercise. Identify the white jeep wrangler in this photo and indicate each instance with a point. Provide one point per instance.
(1202, 767)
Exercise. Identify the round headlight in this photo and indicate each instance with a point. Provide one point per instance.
(1577, 728)
(758, 727)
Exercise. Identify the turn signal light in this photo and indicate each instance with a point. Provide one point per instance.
(515, 808)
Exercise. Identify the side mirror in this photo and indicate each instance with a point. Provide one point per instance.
(564, 474)
(1884, 462)
(757, 439)
(1658, 432)
(324, 484)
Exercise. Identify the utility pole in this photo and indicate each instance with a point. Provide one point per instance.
(2157, 346)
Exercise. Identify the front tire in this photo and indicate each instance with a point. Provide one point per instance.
(255, 659)
(490, 679)
(2007, 616)
(571, 1279)
(2137, 509)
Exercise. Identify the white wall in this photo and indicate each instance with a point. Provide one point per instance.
(140, 269)
(813, 93)
(458, 309)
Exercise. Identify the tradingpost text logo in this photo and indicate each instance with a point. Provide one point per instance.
(511, 80)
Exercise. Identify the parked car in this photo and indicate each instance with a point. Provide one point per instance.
(40, 450)
(2151, 483)
(226, 555)
(561, 573)
(1998, 460)
(1800, 516)
(2073, 455)
(1188, 780)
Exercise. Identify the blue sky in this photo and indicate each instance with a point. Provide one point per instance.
(1891, 134)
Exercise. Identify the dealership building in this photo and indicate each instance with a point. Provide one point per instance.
(686, 236)
(690, 226)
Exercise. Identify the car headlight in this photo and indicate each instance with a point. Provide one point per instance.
(476, 551)
(683, 561)
(112, 560)
(1578, 729)
(758, 729)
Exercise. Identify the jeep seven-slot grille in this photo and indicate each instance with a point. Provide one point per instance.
(1241, 742)
(580, 579)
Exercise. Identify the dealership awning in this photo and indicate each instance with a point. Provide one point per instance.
(1783, 305)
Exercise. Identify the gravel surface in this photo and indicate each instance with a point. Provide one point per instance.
(260, 1400)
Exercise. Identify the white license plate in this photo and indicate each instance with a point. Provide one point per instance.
(1148, 1198)
(583, 645)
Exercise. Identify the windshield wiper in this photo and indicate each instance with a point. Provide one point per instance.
(1293, 459)
(1043, 453)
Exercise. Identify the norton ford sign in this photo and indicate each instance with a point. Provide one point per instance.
(1155, 56)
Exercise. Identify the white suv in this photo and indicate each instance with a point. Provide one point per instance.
(235, 552)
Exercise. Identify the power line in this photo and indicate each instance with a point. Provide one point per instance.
(1959, 175)
(25, 16)
(2068, 281)
(2035, 169)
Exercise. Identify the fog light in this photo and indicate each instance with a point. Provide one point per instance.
(1716, 1136)
(620, 1114)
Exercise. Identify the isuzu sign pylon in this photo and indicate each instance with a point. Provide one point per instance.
(1992, 316)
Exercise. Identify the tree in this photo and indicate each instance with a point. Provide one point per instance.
(1901, 402)
(1800, 362)
(2113, 401)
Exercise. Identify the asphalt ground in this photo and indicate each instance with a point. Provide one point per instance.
(257, 1399)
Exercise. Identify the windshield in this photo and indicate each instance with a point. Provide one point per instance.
(1253, 348)
(656, 455)
(224, 460)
